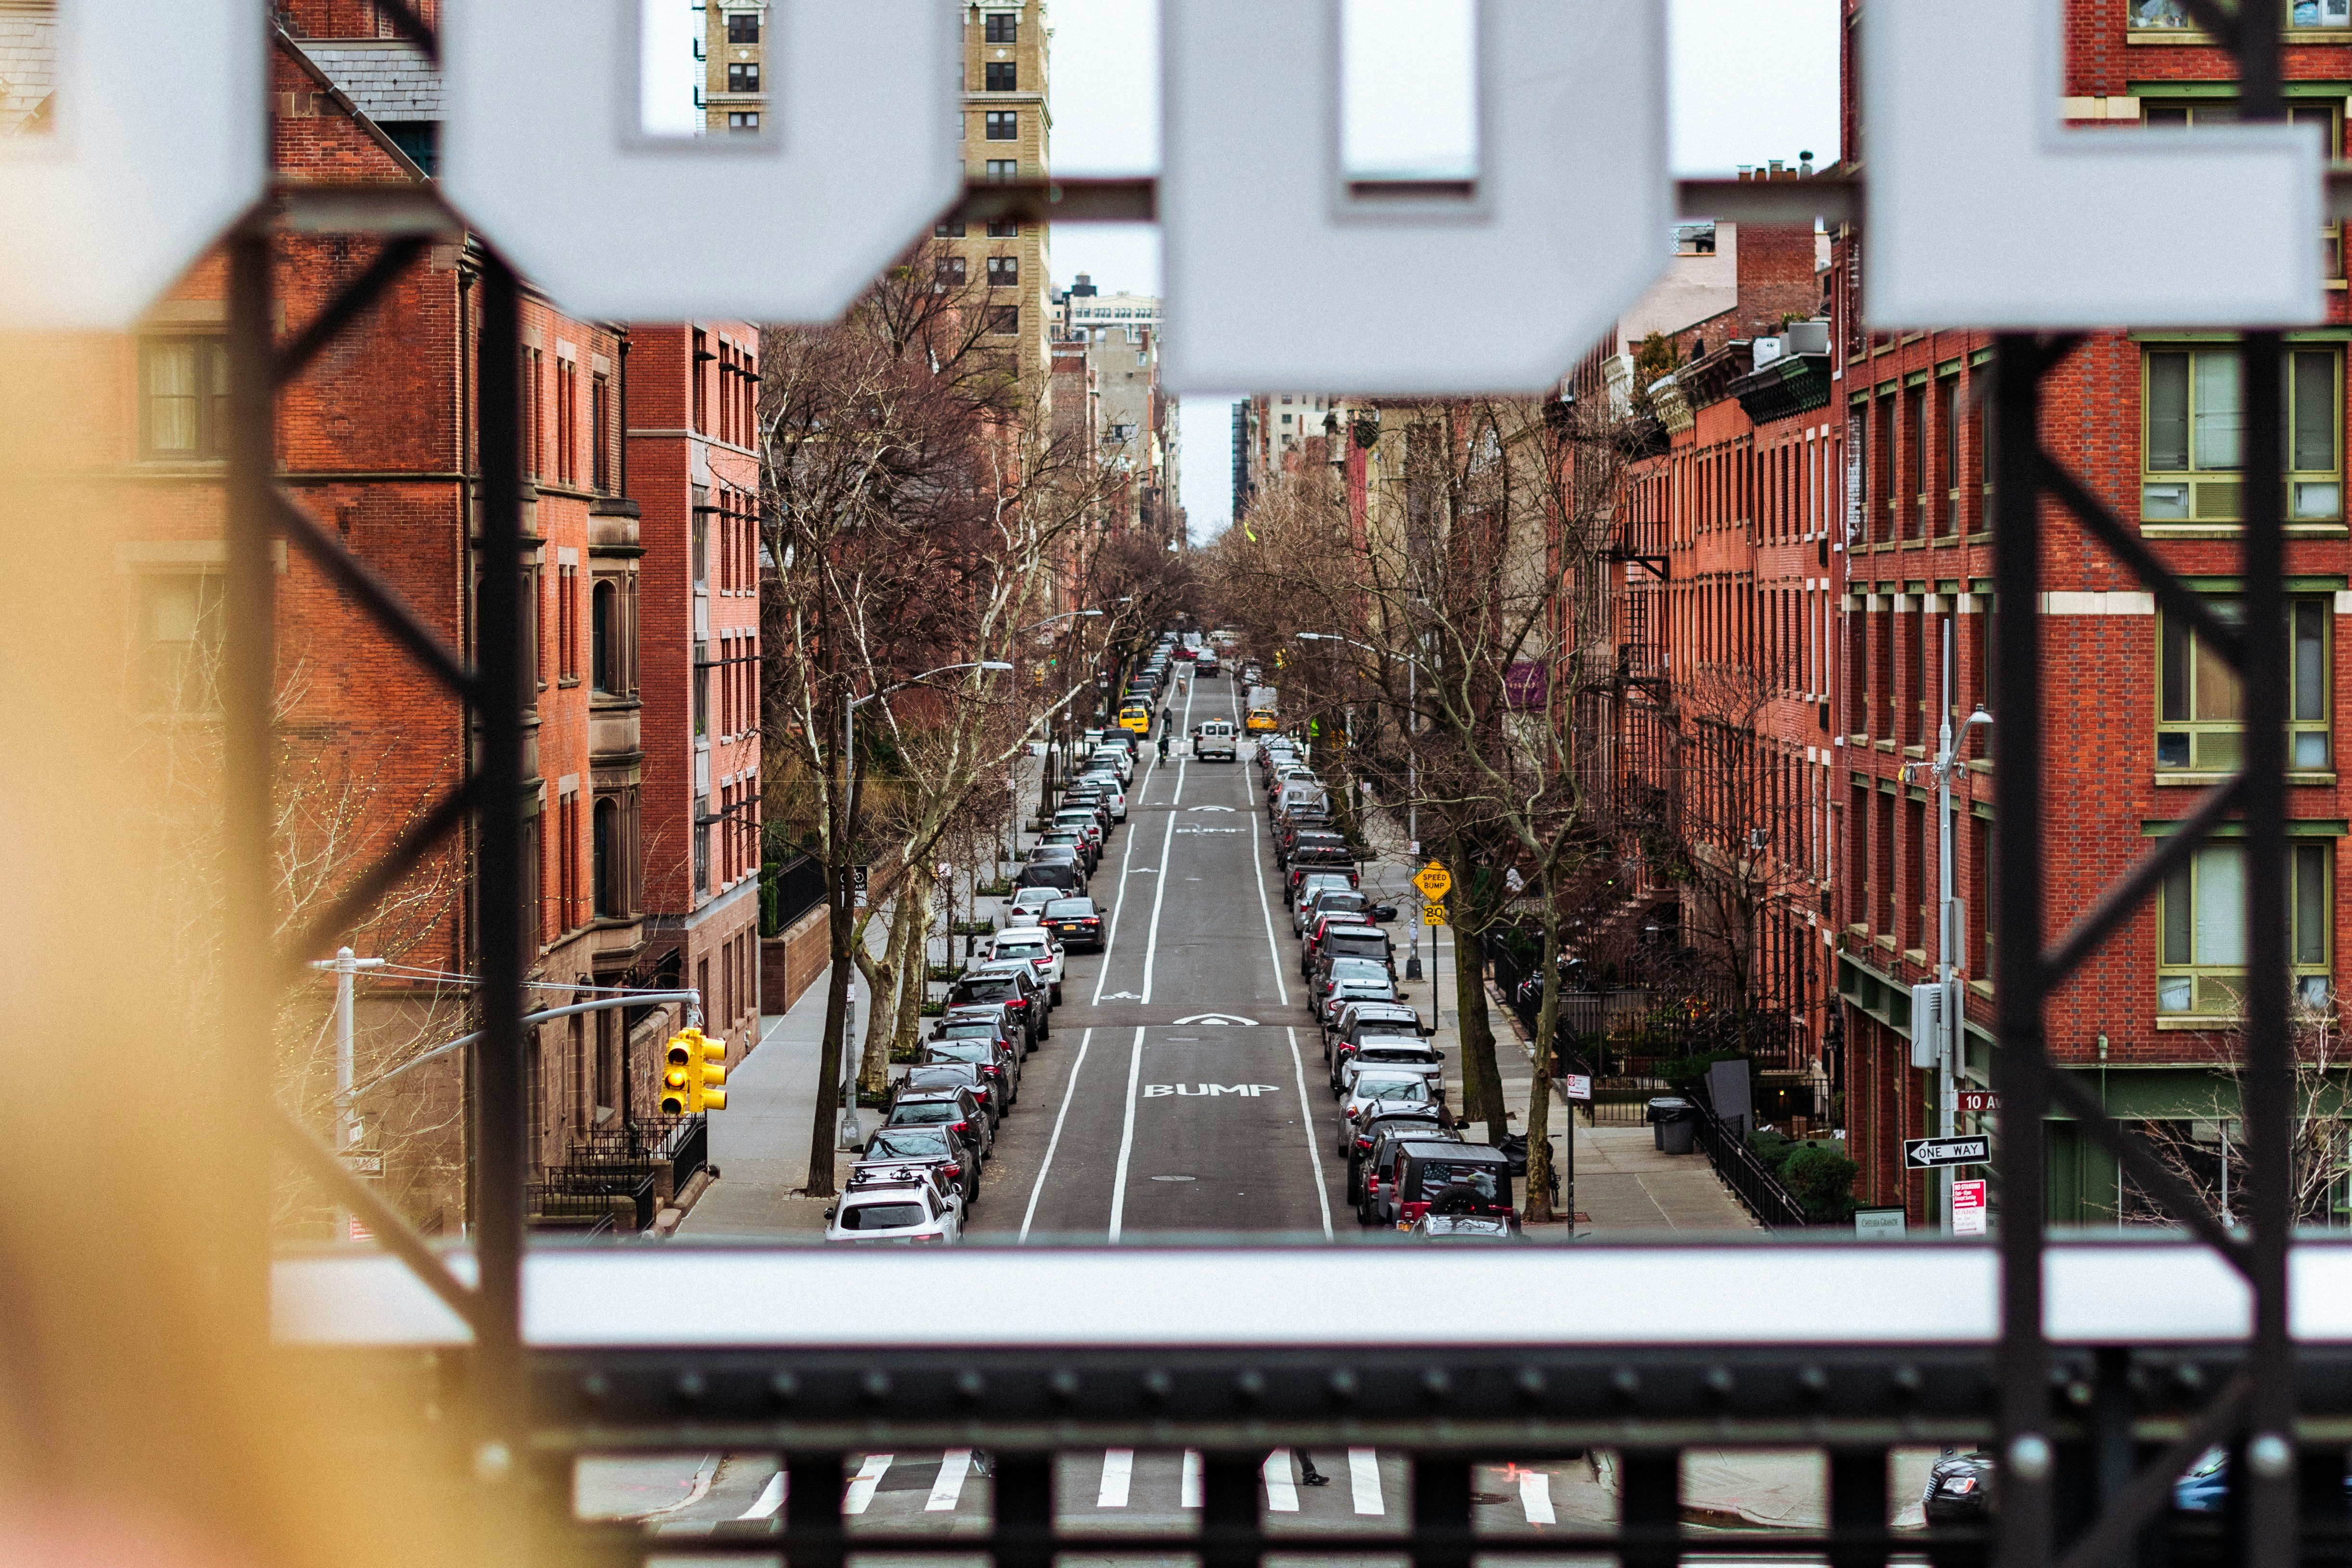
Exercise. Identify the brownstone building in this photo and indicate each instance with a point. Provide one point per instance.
(694, 473)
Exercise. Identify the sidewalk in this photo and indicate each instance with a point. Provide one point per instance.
(1624, 1185)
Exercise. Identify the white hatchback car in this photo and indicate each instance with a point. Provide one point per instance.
(1114, 792)
(1030, 943)
(898, 1212)
(1026, 906)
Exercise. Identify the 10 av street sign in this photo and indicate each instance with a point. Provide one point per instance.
(1929, 1154)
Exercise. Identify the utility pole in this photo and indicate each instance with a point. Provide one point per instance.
(345, 966)
(1949, 1024)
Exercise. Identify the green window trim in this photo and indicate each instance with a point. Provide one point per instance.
(2296, 828)
(2200, 935)
(2322, 583)
(2193, 410)
(2199, 724)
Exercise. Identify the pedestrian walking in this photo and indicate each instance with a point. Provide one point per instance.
(1309, 1476)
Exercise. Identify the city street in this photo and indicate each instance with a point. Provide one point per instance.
(1183, 1088)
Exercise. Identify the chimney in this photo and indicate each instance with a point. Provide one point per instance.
(1804, 165)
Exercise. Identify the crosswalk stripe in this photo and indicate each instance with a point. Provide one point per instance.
(1364, 1481)
(1281, 1491)
(771, 1498)
(954, 1466)
(1534, 1497)
(1190, 1496)
(870, 1476)
(1119, 1472)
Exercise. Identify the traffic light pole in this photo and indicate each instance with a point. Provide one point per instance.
(344, 966)
(692, 1000)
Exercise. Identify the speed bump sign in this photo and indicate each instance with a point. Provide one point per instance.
(1434, 879)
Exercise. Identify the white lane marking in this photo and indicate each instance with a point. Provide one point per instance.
(1159, 897)
(771, 1498)
(1281, 1491)
(1189, 1493)
(1118, 1473)
(1307, 1120)
(954, 1465)
(1125, 1138)
(1534, 1497)
(1069, 1092)
(1364, 1481)
(1257, 865)
(870, 1476)
(1118, 908)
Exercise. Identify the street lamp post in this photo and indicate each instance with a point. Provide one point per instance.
(849, 712)
(1950, 1030)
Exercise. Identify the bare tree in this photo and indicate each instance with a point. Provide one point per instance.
(2204, 1147)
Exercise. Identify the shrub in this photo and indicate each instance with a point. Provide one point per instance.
(1821, 1177)
(1684, 1074)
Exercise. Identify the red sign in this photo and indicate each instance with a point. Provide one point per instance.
(1978, 1100)
(1527, 685)
(1969, 1208)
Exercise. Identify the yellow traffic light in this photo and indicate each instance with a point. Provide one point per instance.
(692, 1071)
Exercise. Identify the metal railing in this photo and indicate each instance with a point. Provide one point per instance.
(1742, 1170)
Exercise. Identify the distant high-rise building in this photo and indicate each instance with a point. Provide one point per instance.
(1006, 139)
(735, 57)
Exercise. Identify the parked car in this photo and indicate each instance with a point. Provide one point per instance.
(1387, 1088)
(1959, 1489)
(1458, 1178)
(1063, 876)
(1331, 896)
(1035, 947)
(925, 1077)
(1371, 1174)
(1389, 1050)
(1363, 1020)
(1113, 790)
(1076, 920)
(894, 1211)
(1027, 994)
(1071, 837)
(981, 1047)
(933, 1147)
(1009, 1023)
(1420, 1120)
(1025, 906)
(1301, 869)
(954, 1109)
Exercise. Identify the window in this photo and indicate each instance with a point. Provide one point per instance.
(699, 534)
(1004, 228)
(567, 623)
(743, 27)
(702, 869)
(605, 859)
(1004, 76)
(742, 121)
(1003, 27)
(1004, 171)
(567, 423)
(2169, 16)
(184, 387)
(179, 642)
(2200, 708)
(419, 138)
(950, 269)
(567, 869)
(2202, 928)
(743, 75)
(1004, 125)
(1944, 504)
(701, 691)
(600, 422)
(1004, 271)
(2192, 442)
(534, 420)
(702, 356)
(952, 229)
(1005, 319)
(604, 637)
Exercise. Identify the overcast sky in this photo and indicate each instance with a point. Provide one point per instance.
(1750, 81)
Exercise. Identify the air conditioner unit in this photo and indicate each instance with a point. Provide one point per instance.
(1765, 350)
(1808, 336)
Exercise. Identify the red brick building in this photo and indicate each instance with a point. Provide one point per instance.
(694, 477)
(1710, 735)
(2138, 721)
(377, 440)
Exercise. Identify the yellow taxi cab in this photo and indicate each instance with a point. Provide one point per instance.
(1261, 721)
(1135, 717)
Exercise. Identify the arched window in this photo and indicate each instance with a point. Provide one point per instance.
(603, 638)
(605, 867)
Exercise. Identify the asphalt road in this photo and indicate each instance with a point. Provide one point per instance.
(1182, 1090)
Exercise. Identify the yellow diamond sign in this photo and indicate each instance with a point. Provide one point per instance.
(1434, 879)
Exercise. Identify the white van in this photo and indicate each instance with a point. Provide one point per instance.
(1215, 741)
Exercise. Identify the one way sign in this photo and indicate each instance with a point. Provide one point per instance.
(1930, 1154)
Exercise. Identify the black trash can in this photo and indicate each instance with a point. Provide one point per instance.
(1673, 1125)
